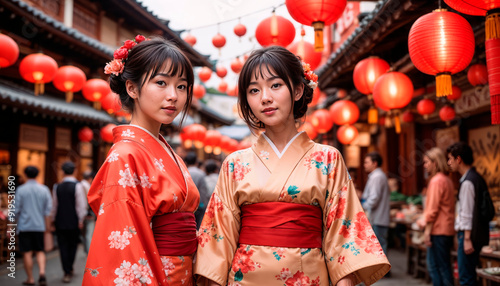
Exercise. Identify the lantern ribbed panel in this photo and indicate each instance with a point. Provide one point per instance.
(367, 71)
(392, 90)
(493, 56)
(306, 52)
(473, 7)
(286, 32)
(307, 12)
(441, 42)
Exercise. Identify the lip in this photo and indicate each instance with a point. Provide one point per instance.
(170, 109)
(269, 110)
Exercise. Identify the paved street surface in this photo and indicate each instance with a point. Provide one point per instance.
(54, 271)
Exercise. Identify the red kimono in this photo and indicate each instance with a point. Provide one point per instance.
(138, 180)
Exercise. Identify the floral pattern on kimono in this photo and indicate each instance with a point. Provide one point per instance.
(304, 173)
(137, 181)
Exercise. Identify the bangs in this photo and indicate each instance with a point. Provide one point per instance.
(173, 63)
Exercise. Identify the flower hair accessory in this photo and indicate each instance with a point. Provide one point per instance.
(121, 54)
(310, 76)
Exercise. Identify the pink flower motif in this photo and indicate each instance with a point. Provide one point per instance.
(203, 235)
(121, 53)
(242, 260)
(365, 237)
(284, 275)
(129, 44)
(168, 265)
(239, 170)
(341, 259)
(114, 67)
(137, 274)
(318, 156)
(299, 279)
(284, 197)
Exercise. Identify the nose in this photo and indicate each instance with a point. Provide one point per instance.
(266, 96)
(171, 93)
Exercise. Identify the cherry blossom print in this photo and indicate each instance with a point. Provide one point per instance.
(322, 160)
(365, 238)
(136, 275)
(239, 169)
(284, 274)
(278, 252)
(112, 157)
(118, 240)
(127, 178)
(290, 194)
(207, 226)
(298, 279)
(101, 209)
(145, 181)
(243, 263)
(128, 133)
(341, 259)
(264, 155)
(159, 165)
(168, 265)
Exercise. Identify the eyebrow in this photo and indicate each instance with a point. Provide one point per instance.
(167, 75)
(269, 79)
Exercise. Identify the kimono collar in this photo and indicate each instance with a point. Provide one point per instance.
(136, 133)
(278, 153)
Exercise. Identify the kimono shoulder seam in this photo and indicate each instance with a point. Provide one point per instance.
(226, 205)
(126, 200)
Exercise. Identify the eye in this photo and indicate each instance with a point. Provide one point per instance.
(276, 85)
(253, 91)
(182, 87)
(160, 83)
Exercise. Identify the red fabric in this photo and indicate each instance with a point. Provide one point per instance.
(175, 234)
(493, 62)
(281, 225)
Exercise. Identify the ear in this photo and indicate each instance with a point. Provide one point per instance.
(132, 89)
(299, 90)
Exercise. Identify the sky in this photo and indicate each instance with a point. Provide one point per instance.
(195, 15)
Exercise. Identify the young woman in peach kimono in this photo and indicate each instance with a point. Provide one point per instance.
(143, 195)
(285, 211)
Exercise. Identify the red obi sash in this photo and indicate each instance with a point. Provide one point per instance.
(281, 225)
(175, 234)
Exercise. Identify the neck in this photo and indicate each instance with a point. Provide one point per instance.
(462, 169)
(281, 136)
(152, 127)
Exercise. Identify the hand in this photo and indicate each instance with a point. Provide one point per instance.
(427, 239)
(468, 248)
(346, 281)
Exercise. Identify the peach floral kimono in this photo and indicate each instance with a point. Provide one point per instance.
(304, 173)
(138, 180)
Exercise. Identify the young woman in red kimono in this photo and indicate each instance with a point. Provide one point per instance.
(143, 196)
(285, 211)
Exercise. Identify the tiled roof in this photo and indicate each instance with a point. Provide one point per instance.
(60, 26)
(24, 99)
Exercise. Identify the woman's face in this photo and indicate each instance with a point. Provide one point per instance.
(429, 165)
(160, 100)
(270, 100)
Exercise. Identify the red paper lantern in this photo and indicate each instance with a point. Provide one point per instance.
(344, 112)
(225, 143)
(240, 30)
(199, 91)
(309, 129)
(85, 134)
(447, 113)
(408, 116)
(212, 140)
(111, 103)
(107, 133)
(219, 41)
(205, 74)
(190, 39)
(38, 69)
(69, 79)
(393, 90)
(367, 71)
(477, 74)
(236, 65)
(321, 120)
(316, 96)
(275, 30)
(95, 89)
(9, 51)
(456, 93)
(232, 146)
(473, 7)
(341, 93)
(232, 91)
(196, 132)
(346, 134)
(222, 86)
(426, 107)
(306, 52)
(221, 71)
(430, 49)
(316, 13)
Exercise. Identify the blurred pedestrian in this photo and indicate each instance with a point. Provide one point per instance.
(198, 177)
(475, 211)
(375, 199)
(89, 221)
(68, 212)
(212, 171)
(439, 216)
(32, 209)
(143, 195)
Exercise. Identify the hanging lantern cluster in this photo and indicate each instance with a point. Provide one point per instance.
(441, 43)
(316, 13)
(193, 134)
(345, 113)
(365, 75)
(212, 140)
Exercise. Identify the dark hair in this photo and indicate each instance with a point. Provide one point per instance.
(375, 157)
(191, 158)
(282, 63)
(88, 175)
(68, 168)
(463, 150)
(144, 62)
(31, 172)
(210, 166)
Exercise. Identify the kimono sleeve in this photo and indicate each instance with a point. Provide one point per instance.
(349, 243)
(123, 250)
(219, 232)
